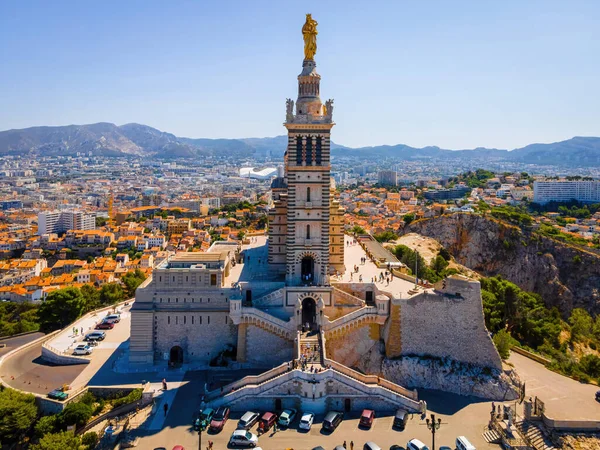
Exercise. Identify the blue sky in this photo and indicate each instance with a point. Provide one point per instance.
(457, 74)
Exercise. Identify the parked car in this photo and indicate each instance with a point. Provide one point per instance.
(243, 438)
(332, 420)
(266, 421)
(248, 420)
(400, 419)
(58, 394)
(105, 326)
(95, 336)
(366, 418)
(598, 396)
(306, 421)
(218, 421)
(287, 417)
(178, 447)
(204, 418)
(415, 444)
(462, 443)
(83, 349)
(370, 445)
(112, 318)
(445, 447)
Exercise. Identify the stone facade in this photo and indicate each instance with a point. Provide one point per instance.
(266, 349)
(447, 324)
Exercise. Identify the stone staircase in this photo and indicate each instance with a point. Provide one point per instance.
(491, 436)
(364, 315)
(310, 347)
(264, 320)
(271, 298)
(353, 298)
(535, 434)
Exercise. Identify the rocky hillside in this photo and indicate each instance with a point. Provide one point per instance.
(565, 276)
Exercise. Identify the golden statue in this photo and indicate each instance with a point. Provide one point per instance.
(309, 31)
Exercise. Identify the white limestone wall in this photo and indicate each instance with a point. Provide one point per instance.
(450, 376)
(448, 326)
(201, 335)
(265, 349)
(354, 348)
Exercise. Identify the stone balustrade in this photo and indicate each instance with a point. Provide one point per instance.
(254, 316)
(347, 296)
(250, 380)
(366, 314)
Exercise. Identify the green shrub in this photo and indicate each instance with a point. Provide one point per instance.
(90, 439)
(46, 424)
(76, 414)
(133, 396)
(64, 440)
(503, 342)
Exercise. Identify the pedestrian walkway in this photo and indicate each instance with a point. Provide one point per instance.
(161, 397)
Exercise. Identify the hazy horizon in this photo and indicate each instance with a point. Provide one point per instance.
(460, 76)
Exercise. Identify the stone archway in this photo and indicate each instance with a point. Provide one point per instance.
(176, 356)
(307, 269)
(309, 314)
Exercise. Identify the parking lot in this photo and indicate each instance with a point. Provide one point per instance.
(460, 416)
(27, 371)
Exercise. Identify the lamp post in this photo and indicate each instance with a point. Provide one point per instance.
(201, 428)
(433, 426)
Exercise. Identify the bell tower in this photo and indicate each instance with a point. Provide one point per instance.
(308, 169)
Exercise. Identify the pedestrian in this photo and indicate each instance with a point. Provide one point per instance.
(210, 444)
(166, 408)
(164, 383)
(351, 445)
(344, 445)
(82, 331)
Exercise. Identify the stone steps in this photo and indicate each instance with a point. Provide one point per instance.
(492, 436)
(535, 435)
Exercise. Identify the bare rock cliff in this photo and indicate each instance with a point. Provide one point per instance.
(565, 276)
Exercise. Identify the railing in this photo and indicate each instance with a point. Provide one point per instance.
(351, 317)
(372, 379)
(347, 295)
(270, 296)
(250, 312)
(249, 380)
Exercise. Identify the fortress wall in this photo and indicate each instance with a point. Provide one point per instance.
(267, 349)
(448, 326)
(352, 348)
(199, 341)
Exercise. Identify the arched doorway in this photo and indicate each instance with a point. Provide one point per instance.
(307, 269)
(309, 314)
(176, 356)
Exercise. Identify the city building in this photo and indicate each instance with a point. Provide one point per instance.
(585, 191)
(388, 177)
(447, 194)
(62, 221)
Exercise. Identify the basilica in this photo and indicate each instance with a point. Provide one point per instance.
(296, 296)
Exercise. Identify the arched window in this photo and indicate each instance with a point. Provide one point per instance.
(308, 194)
(307, 231)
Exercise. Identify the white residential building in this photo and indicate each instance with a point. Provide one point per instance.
(565, 190)
(61, 221)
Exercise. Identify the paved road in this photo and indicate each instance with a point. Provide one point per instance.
(460, 416)
(564, 397)
(27, 371)
(14, 342)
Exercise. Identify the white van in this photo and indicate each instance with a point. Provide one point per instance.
(415, 444)
(462, 443)
(112, 318)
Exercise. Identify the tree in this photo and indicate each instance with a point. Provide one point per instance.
(77, 413)
(241, 235)
(91, 295)
(132, 280)
(46, 424)
(386, 236)
(581, 324)
(64, 440)
(90, 440)
(357, 230)
(60, 308)
(502, 341)
(439, 264)
(408, 218)
(111, 293)
(590, 364)
(17, 415)
(445, 254)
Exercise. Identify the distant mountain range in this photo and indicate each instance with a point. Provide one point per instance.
(107, 139)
